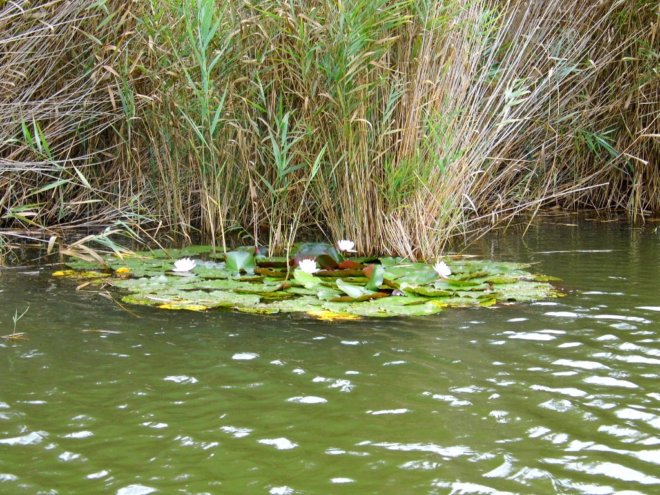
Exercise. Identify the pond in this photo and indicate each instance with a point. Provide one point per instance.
(557, 396)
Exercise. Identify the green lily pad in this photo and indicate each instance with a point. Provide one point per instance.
(195, 300)
(307, 280)
(212, 271)
(186, 252)
(429, 291)
(354, 291)
(240, 261)
(390, 306)
(411, 273)
(523, 291)
(370, 287)
(538, 277)
(376, 274)
(324, 254)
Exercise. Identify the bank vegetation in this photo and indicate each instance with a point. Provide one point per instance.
(399, 124)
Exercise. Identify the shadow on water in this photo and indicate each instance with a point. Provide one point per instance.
(557, 396)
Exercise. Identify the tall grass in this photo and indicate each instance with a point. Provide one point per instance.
(401, 124)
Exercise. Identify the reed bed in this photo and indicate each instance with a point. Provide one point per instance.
(400, 124)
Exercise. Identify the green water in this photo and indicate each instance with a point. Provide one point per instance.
(559, 396)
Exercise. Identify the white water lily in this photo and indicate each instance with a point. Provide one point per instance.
(442, 269)
(308, 266)
(346, 246)
(184, 265)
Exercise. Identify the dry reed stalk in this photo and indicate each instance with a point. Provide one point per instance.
(398, 124)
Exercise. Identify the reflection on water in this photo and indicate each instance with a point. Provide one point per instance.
(555, 397)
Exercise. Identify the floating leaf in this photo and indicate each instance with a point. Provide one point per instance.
(79, 274)
(273, 262)
(340, 273)
(501, 279)
(411, 273)
(325, 315)
(537, 277)
(376, 275)
(354, 291)
(389, 306)
(345, 288)
(389, 261)
(325, 254)
(307, 280)
(237, 261)
(350, 265)
(269, 272)
(175, 254)
(425, 290)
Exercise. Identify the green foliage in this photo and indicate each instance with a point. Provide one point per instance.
(15, 319)
(325, 254)
(398, 289)
(240, 261)
(397, 123)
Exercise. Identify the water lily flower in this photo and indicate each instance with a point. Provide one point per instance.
(308, 266)
(346, 246)
(184, 265)
(442, 269)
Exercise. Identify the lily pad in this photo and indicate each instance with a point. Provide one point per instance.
(353, 287)
(325, 254)
(411, 273)
(240, 261)
(176, 253)
(376, 274)
(354, 291)
(307, 280)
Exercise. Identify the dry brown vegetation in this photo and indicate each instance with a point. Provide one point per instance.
(400, 124)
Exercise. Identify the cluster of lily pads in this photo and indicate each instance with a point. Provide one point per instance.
(318, 279)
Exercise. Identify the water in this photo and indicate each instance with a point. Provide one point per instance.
(559, 396)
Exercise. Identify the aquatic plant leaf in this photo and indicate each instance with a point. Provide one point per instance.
(524, 291)
(235, 285)
(270, 272)
(79, 264)
(390, 261)
(187, 306)
(428, 291)
(537, 277)
(183, 300)
(472, 284)
(178, 253)
(273, 262)
(326, 315)
(299, 304)
(140, 266)
(326, 294)
(217, 271)
(376, 274)
(488, 302)
(411, 273)
(354, 291)
(260, 310)
(389, 306)
(307, 280)
(326, 261)
(275, 295)
(344, 288)
(325, 254)
(237, 261)
(501, 279)
(350, 265)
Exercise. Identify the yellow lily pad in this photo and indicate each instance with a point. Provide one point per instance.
(184, 306)
(327, 315)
